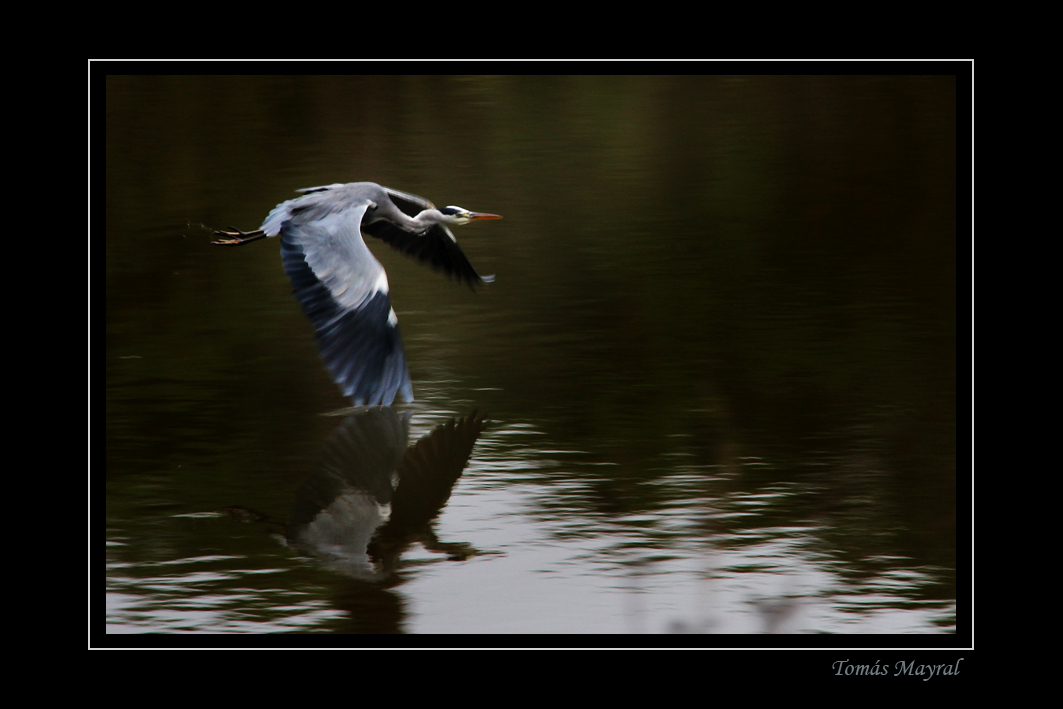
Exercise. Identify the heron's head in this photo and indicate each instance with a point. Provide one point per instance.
(457, 215)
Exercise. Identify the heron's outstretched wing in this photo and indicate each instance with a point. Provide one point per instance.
(344, 292)
(436, 247)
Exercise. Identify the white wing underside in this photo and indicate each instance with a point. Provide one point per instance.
(334, 248)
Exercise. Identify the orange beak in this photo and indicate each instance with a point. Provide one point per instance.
(480, 216)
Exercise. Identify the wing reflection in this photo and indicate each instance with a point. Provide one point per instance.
(371, 498)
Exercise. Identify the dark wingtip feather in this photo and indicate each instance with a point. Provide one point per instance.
(362, 350)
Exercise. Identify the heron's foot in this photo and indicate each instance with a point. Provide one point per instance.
(235, 237)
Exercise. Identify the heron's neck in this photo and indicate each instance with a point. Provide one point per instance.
(423, 221)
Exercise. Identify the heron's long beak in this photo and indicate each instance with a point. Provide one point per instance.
(478, 216)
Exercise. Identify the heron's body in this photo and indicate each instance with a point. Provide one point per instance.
(343, 288)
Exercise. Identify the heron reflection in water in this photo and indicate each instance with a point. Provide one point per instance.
(341, 286)
(372, 497)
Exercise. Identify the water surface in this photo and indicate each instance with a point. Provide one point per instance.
(717, 365)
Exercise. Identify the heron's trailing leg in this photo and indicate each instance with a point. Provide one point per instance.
(237, 237)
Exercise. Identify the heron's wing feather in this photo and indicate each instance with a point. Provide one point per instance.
(321, 188)
(333, 248)
(344, 292)
(437, 247)
(315, 204)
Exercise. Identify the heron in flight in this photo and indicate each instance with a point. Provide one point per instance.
(343, 289)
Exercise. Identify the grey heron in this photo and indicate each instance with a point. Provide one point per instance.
(343, 289)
